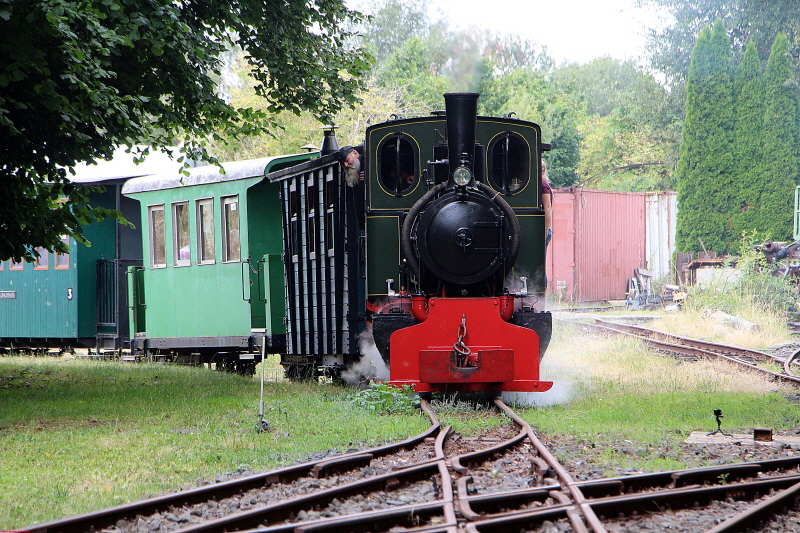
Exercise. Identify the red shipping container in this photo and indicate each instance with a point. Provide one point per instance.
(599, 238)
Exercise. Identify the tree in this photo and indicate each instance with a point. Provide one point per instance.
(780, 163)
(414, 73)
(625, 137)
(672, 42)
(79, 78)
(606, 84)
(393, 23)
(749, 143)
(746, 20)
(619, 154)
(376, 104)
(508, 52)
(705, 168)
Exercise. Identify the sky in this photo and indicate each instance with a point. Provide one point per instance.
(572, 30)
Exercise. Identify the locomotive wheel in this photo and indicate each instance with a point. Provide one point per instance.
(298, 372)
(246, 368)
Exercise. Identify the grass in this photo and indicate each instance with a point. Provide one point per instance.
(701, 324)
(613, 388)
(77, 435)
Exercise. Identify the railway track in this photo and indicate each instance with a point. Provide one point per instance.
(439, 482)
(778, 368)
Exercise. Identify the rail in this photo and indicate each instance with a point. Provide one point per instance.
(418, 486)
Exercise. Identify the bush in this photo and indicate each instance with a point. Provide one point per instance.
(385, 399)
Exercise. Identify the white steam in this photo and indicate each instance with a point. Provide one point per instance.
(565, 377)
(513, 281)
(560, 393)
(370, 367)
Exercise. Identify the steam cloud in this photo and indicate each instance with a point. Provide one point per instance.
(561, 392)
(370, 366)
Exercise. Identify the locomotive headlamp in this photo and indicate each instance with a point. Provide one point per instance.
(462, 176)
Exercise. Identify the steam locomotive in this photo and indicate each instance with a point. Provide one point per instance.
(443, 238)
(468, 313)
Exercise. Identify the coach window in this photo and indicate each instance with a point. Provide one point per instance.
(43, 261)
(13, 265)
(509, 163)
(62, 260)
(2, 265)
(158, 248)
(205, 231)
(230, 228)
(181, 249)
(397, 163)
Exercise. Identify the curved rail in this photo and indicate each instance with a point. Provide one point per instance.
(561, 472)
(552, 495)
(667, 342)
(107, 517)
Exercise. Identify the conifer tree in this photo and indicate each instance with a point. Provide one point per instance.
(748, 142)
(780, 143)
(705, 167)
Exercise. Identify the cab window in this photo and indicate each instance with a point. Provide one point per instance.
(509, 163)
(398, 161)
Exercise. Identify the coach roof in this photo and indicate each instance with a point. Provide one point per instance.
(234, 170)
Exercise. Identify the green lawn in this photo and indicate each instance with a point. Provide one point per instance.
(79, 435)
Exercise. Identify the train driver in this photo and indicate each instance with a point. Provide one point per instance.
(352, 161)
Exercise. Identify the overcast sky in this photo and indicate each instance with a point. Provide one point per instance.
(572, 30)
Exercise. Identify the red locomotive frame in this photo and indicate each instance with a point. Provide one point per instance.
(432, 356)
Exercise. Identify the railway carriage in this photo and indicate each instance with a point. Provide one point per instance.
(211, 287)
(323, 266)
(77, 300)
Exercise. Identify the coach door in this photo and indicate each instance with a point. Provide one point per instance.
(112, 331)
(136, 300)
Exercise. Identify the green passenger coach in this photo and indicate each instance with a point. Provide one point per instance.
(211, 287)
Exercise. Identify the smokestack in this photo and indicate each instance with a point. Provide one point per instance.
(462, 113)
(329, 143)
